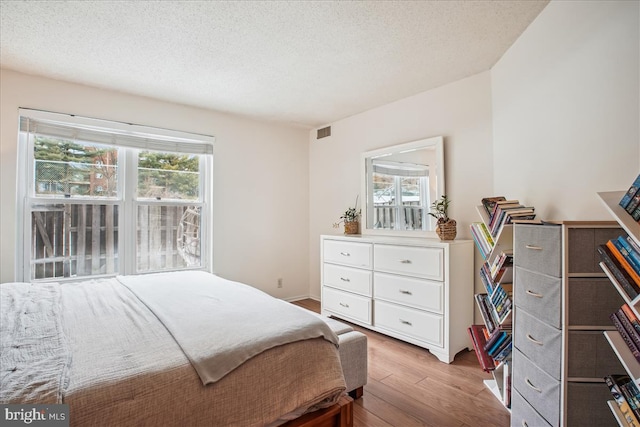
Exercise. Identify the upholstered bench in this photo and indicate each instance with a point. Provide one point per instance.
(353, 355)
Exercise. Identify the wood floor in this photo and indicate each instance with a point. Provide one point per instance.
(409, 387)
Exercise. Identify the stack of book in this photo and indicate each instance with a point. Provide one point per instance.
(630, 202)
(626, 322)
(626, 394)
(491, 348)
(621, 257)
(505, 211)
(483, 239)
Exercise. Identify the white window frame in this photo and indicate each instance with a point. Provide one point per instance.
(127, 199)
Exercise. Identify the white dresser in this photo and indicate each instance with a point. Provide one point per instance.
(417, 290)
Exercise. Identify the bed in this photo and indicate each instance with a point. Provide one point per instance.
(180, 348)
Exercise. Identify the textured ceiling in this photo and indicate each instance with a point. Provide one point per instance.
(304, 63)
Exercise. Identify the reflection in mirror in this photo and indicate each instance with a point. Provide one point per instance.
(400, 183)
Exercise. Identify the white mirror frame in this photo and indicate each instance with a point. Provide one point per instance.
(438, 145)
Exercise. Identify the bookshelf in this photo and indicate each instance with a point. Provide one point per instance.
(495, 317)
(611, 201)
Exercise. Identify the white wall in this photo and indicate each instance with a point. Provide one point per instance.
(461, 112)
(566, 109)
(261, 207)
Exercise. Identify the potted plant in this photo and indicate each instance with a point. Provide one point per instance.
(446, 228)
(351, 220)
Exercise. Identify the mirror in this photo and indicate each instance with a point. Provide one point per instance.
(399, 184)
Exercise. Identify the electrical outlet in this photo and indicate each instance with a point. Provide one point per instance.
(280, 282)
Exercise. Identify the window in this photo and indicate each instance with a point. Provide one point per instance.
(105, 198)
(400, 195)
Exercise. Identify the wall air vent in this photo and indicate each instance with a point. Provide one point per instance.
(324, 132)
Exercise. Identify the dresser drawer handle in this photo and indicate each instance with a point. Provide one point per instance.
(405, 322)
(530, 384)
(533, 294)
(402, 291)
(345, 254)
(345, 279)
(533, 340)
(405, 261)
(344, 305)
(533, 247)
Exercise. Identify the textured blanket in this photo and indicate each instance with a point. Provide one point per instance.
(201, 312)
(34, 355)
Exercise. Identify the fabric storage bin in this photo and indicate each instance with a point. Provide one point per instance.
(540, 342)
(603, 360)
(539, 294)
(540, 389)
(586, 293)
(587, 405)
(523, 415)
(583, 256)
(537, 248)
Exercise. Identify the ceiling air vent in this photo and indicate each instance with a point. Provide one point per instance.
(324, 132)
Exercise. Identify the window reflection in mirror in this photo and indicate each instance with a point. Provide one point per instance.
(399, 185)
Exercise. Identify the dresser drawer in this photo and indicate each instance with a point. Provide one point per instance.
(413, 323)
(416, 261)
(601, 358)
(347, 253)
(347, 305)
(587, 293)
(538, 248)
(541, 343)
(523, 415)
(417, 293)
(539, 295)
(348, 279)
(537, 387)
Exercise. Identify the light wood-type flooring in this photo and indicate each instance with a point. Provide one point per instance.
(409, 387)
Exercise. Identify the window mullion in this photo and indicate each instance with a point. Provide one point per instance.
(130, 205)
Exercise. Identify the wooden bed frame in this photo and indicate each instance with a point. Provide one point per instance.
(338, 415)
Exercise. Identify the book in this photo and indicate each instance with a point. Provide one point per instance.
(489, 202)
(636, 213)
(633, 189)
(633, 204)
(625, 336)
(502, 336)
(505, 352)
(485, 312)
(614, 249)
(629, 313)
(628, 327)
(629, 396)
(635, 396)
(628, 252)
(480, 239)
(477, 335)
(612, 382)
(619, 273)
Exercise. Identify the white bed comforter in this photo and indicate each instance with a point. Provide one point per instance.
(220, 324)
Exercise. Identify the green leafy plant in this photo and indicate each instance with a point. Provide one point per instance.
(439, 209)
(350, 215)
